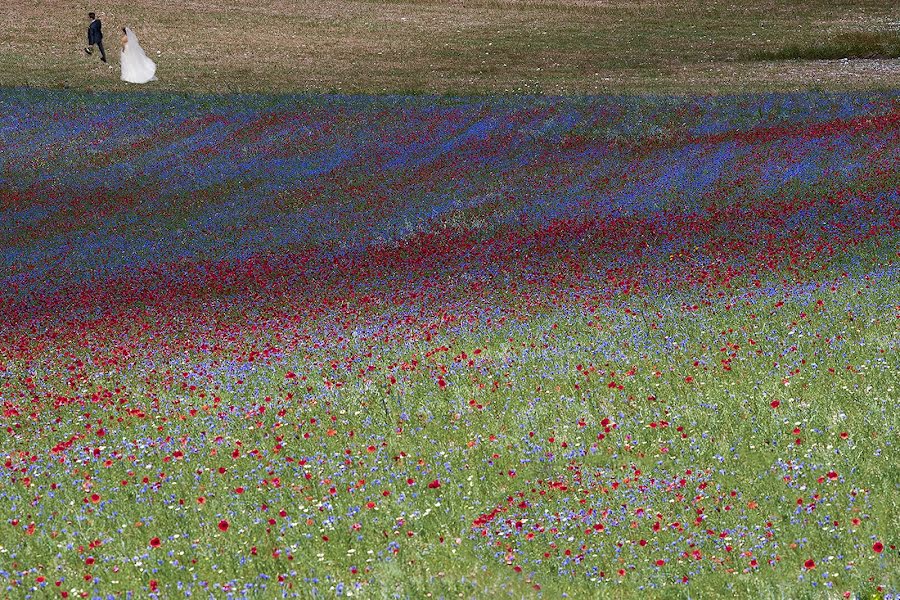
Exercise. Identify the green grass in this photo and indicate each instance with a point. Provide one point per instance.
(865, 45)
(730, 433)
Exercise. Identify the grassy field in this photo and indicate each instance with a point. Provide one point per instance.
(539, 46)
(315, 347)
(543, 342)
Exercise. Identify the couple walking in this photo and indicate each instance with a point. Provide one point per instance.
(136, 66)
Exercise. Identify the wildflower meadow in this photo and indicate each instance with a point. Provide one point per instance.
(317, 346)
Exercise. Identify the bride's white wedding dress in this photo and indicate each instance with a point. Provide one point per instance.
(136, 67)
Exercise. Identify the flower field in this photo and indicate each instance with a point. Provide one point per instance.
(321, 346)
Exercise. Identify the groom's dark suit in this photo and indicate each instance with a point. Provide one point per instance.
(95, 36)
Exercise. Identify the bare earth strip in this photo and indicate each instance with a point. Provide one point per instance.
(505, 46)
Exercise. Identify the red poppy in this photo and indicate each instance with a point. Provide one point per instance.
(434, 484)
(878, 547)
(809, 564)
(223, 525)
(155, 543)
(775, 404)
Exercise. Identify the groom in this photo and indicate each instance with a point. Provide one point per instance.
(95, 36)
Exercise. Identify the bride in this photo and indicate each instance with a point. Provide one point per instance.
(136, 67)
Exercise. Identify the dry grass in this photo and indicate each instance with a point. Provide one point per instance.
(436, 46)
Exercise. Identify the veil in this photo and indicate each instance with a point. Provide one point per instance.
(136, 66)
